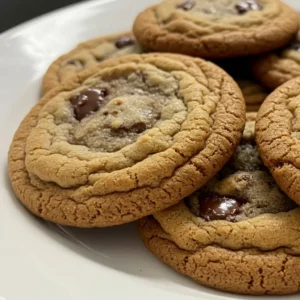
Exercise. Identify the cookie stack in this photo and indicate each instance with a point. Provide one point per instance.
(163, 138)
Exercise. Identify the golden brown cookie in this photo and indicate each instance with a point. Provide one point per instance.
(127, 138)
(216, 28)
(278, 136)
(88, 54)
(276, 68)
(240, 233)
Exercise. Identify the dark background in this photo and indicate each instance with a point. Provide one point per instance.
(14, 12)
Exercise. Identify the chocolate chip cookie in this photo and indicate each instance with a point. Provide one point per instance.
(88, 54)
(127, 138)
(276, 68)
(239, 233)
(278, 136)
(216, 28)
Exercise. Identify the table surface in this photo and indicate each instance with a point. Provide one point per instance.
(14, 12)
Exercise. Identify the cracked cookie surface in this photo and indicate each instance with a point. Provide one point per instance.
(239, 233)
(216, 29)
(278, 136)
(276, 68)
(88, 54)
(127, 138)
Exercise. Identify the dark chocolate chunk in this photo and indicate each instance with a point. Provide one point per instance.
(187, 5)
(138, 127)
(124, 41)
(216, 207)
(87, 102)
(244, 6)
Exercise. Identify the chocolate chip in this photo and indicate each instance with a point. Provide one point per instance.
(216, 207)
(138, 127)
(87, 102)
(244, 6)
(295, 46)
(187, 5)
(124, 41)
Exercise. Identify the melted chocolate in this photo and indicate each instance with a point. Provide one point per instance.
(187, 5)
(87, 102)
(138, 127)
(244, 6)
(124, 41)
(214, 207)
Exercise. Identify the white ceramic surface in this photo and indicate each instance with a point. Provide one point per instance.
(41, 261)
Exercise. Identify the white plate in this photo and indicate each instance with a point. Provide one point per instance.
(38, 260)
